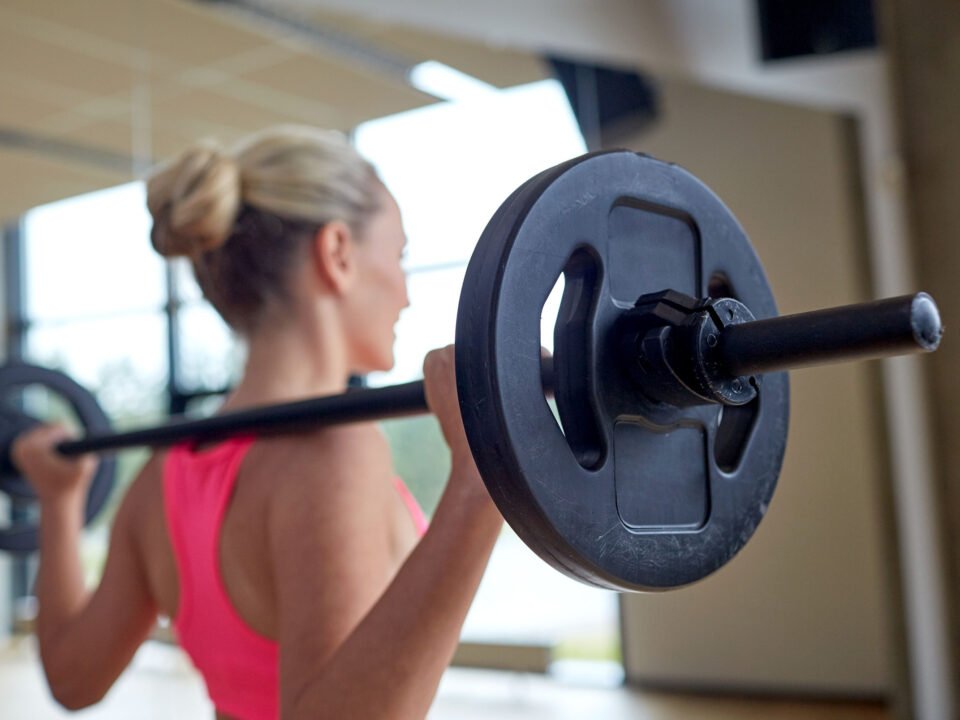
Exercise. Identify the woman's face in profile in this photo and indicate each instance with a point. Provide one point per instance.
(382, 287)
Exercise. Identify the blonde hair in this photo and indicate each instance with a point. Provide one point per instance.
(244, 216)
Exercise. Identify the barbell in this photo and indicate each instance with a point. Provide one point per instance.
(671, 401)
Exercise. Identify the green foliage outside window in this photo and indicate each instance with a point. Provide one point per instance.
(420, 457)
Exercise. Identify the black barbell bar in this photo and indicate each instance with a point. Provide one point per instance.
(352, 406)
(894, 326)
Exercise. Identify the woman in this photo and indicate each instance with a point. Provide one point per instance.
(289, 566)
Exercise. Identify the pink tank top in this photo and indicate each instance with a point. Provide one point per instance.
(239, 665)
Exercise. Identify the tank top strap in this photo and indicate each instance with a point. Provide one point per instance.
(198, 486)
(420, 521)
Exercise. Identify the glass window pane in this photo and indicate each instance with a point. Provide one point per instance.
(511, 606)
(122, 360)
(450, 165)
(91, 255)
(420, 457)
(210, 357)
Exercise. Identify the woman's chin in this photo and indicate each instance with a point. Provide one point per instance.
(384, 364)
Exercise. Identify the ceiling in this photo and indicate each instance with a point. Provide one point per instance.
(94, 92)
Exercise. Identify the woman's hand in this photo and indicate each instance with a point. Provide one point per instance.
(52, 475)
(440, 385)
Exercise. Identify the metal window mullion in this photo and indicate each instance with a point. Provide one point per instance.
(14, 291)
(16, 324)
(175, 401)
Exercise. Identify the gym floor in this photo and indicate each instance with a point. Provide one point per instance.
(161, 684)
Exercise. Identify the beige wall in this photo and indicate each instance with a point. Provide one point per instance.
(806, 606)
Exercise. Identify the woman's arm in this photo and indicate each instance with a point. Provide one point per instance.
(85, 639)
(391, 663)
(349, 648)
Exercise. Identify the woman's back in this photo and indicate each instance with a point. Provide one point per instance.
(259, 479)
(267, 473)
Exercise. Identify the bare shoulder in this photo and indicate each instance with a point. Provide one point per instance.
(139, 537)
(143, 499)
(343, 464)
(356, 448)
(329, 503)
(141, 517)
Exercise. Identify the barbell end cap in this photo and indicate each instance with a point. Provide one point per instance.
(925, 321)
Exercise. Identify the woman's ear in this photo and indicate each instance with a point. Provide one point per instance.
(334, 255)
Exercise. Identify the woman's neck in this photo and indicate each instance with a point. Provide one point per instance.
(287, 363)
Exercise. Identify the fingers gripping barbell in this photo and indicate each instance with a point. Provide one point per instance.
(670, 394)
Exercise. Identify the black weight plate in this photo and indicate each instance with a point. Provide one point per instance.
(14, 377)
(661, 502)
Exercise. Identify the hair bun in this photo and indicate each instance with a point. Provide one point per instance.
(194, 201)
